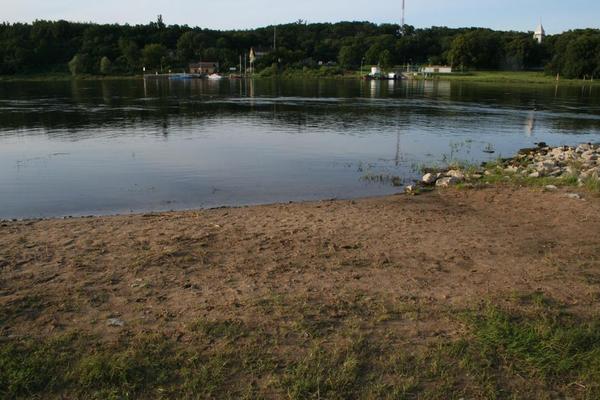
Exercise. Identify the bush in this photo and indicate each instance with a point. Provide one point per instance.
(105, 66)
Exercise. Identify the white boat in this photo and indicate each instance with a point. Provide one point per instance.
(215, 77)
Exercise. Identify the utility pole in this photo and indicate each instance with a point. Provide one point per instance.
(275, 38)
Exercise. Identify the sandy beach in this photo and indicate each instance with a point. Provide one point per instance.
(284, 280)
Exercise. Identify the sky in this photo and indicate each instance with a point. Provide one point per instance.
(523, 15)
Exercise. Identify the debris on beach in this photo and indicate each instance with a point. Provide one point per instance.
(116, 322)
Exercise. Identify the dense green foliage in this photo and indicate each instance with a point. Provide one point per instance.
(577, 54)
(61, 46)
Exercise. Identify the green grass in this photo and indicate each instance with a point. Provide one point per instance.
(591, 184)
(309, 73)
(523, 77)
(220, 329)
(144, 366)
(61, 77)
(529, 347)
(498, 176)
(146, 363)
(553, 349)
(329, 374)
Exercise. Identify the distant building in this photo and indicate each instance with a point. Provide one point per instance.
(204, 67)
(539, 33)
(256, 54)
(375, 71)
(436, 69)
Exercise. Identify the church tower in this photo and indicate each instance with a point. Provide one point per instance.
(540, 33)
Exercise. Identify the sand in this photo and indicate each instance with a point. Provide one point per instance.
(159, 272)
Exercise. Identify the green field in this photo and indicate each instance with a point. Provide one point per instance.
(61, 77)
(513, 77)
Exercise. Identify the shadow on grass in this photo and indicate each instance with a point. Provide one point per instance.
(529, 349)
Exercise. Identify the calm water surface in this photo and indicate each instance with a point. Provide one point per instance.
(104, 147)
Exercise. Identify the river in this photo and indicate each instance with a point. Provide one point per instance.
(88, 147)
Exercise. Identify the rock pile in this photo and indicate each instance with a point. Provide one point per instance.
(447, 178)
(581, 162)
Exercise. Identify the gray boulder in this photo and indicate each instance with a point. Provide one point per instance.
(447, 181)
(454, 173)
(429, 179)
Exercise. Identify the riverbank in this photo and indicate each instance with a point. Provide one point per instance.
(480, 292)
(541, 166)
(513, 77)
(311, 73)
(63, 77)
(491, 77)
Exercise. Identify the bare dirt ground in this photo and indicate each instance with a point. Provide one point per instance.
(368, 259)
(158, 271)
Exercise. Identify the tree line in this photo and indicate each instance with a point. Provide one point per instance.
(86, 48)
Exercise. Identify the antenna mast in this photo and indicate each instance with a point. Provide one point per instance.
(403, 12)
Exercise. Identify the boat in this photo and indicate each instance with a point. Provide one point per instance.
(215, 77)
(178, 77)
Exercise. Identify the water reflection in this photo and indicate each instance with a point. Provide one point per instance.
(530, 123)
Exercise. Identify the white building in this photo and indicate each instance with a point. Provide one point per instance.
(375, 71)
(539, 34)
(437, 69)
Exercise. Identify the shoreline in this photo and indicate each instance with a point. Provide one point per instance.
(487, 77)
(544, 167)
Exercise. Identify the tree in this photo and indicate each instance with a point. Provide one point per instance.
(188, 47)
(460, 53)
(77, 64)
(480, 48)
(516, 53)
(579, 61)
(130, 52)
(105, 66)
(46, 46)
(348, 57)
(385, 59)
(575, 54)
(153, 55)
(159, 22)
(373, 55)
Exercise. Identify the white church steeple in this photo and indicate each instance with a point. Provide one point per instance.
(539, 33)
